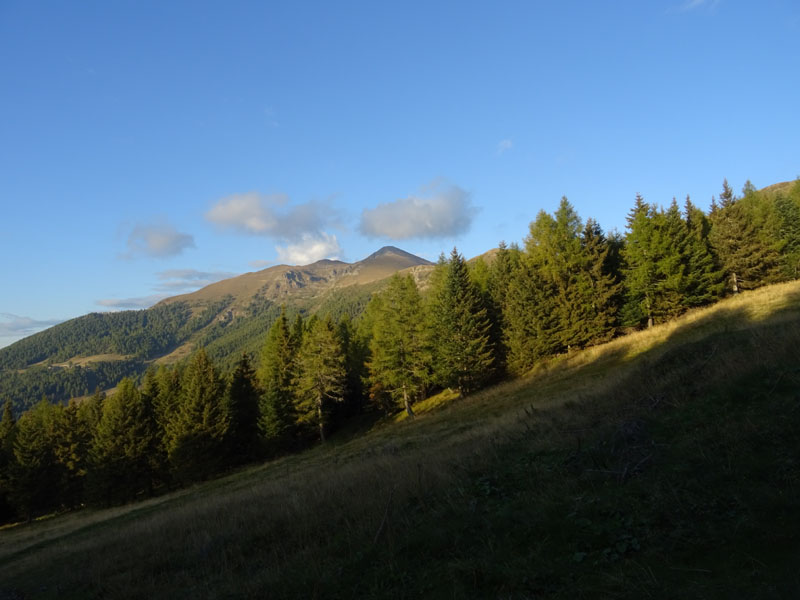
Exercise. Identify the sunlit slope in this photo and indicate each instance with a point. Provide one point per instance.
(228, 317)
(663, 464)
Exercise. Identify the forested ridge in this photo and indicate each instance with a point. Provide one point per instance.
(569, 285)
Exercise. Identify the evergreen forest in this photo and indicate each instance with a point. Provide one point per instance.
(292, 378)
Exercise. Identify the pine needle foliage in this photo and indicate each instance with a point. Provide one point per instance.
(400, 345)
(464, 357)
(321, 373)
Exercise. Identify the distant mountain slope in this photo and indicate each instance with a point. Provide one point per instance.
(228, 317)
(283, 283)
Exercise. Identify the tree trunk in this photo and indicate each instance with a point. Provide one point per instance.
(321, 422)
(735, 283)
(409, 412)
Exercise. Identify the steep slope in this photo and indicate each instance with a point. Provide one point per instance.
(230, 316)
(663, 464)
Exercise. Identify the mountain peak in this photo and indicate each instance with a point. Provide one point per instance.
(393, 251)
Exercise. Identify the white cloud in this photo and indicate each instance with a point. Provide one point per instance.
(16, 326)
(157, 240)
(270, 215)
(131, 303)
(188, 279)
(310, 248)
(439, 211)
(504, 146)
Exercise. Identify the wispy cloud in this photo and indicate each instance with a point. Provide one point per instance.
(131, 303)
(440, 210)
(270, 216)
(299, 228)
(157, 240)
(176, 280)
(310, 248)
(16, 326)
(504, 146)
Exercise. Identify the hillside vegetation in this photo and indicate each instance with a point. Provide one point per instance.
(663, 464)
(70, 360)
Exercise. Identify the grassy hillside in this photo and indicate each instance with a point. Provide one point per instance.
(664, 464)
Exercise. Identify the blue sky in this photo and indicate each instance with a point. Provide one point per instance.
(149, 148)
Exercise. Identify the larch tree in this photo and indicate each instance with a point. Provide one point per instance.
(321, 373)
(400, 351)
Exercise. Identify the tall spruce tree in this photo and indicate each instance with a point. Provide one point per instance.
(321, 373)
(400, 350)
(670, 251)
(243, 397)
(704, 278)
(599, 290)
(641, 275)
(278, 413)
(749, 259)
(531, 318)
(788, 229)
(573, 262)
(462, 348)
(36, 476)
(72, 451)
(501, 271)
(198, 430)
(124, 447)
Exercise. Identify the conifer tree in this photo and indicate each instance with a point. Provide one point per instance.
(278, 413)
(355, 355)
(8, 428)
(399, 347)
(92, 409)
(501, 272)
(321, 373)
(531, 318)
(573, 262)
(599, 289)
(788, 230)
(737, 235)
(243, 397)
(704, 278)
(74, 438)
(670, 251)
(124, 446)
(36, 477)
(463, 351)
(197, 432)
(641, 276)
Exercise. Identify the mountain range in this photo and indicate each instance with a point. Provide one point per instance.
(228, 317)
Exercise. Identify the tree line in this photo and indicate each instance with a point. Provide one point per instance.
(570, 285)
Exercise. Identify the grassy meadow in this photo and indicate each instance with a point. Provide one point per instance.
(664, 464)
